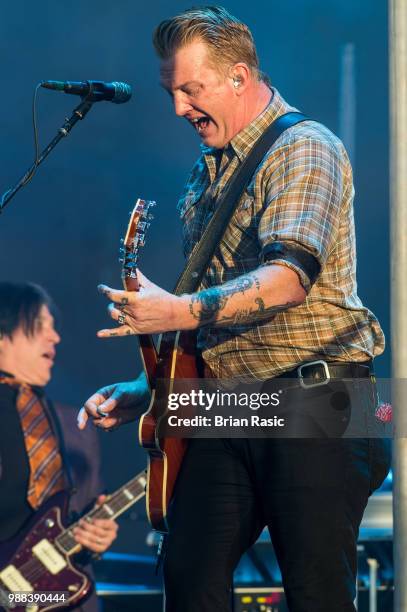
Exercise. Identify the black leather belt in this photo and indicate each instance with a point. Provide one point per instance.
(320, 372)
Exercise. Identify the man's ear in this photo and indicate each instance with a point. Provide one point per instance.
(240, 75)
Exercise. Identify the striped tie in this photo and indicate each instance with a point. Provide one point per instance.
(46, 471)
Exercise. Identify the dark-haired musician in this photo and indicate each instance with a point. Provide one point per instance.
(36, 438)
(279, 293)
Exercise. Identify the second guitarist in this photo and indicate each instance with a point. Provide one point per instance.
(40, 450)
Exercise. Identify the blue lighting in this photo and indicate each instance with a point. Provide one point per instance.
(128, 558)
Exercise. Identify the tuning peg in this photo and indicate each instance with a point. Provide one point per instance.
(121, 260)
(121, 240)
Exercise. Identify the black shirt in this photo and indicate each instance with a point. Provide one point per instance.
(14, 467)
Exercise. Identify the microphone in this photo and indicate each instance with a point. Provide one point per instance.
(94, 91)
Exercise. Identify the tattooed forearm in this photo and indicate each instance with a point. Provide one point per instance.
(251, 315)
(245, 300)
(205, 305)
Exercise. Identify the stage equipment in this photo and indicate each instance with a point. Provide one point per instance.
(94, 91)
(128, 582)
(120, 92)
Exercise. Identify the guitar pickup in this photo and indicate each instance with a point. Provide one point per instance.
(49, 556)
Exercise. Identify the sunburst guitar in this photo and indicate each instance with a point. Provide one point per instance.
(172, 357)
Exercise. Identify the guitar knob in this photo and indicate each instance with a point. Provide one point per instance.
(49, 523)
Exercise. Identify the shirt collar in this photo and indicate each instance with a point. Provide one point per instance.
(4, 374)
(40, 391)
(243, 142)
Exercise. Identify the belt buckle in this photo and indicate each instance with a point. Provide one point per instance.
(311, 385)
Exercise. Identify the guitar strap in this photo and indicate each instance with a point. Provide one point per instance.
(203, 251)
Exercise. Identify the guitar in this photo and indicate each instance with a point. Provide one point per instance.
(36, 569)
(173, 358)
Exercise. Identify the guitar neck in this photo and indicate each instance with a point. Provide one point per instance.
(116, 503)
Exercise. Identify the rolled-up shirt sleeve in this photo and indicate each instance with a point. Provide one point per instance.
(302, 207)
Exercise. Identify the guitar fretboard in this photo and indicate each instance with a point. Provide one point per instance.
(116, 504)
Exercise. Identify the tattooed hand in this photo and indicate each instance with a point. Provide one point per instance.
(147, 311)
(251, 298)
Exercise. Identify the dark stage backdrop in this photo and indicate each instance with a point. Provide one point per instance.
(63, 230)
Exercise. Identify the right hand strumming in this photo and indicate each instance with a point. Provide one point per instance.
(116, 404)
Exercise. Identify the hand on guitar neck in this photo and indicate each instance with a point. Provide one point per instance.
(116, 404)
(98, 533)
(145, 308)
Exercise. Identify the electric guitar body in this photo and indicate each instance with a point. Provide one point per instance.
(173, 358)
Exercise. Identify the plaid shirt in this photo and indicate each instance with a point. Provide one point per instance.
(301, 194)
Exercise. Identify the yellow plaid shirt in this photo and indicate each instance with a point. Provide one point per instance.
(301, 194)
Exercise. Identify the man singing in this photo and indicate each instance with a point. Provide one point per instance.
(278, 295)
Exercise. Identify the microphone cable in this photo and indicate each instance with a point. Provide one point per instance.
(34, 167)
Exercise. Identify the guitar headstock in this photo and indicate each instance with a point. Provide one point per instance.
(134, 239)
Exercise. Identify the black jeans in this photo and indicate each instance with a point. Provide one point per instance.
(310, 493)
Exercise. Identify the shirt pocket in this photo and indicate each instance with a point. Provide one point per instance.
(244, 217)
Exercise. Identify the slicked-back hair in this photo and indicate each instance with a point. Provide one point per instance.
(228, 40)
(20, 305)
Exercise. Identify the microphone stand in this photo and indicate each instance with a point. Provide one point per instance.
(78, 113)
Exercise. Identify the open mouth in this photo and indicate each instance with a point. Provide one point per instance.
(49, 356)
(200, 123)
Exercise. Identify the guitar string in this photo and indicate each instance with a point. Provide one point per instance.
(35, 566)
